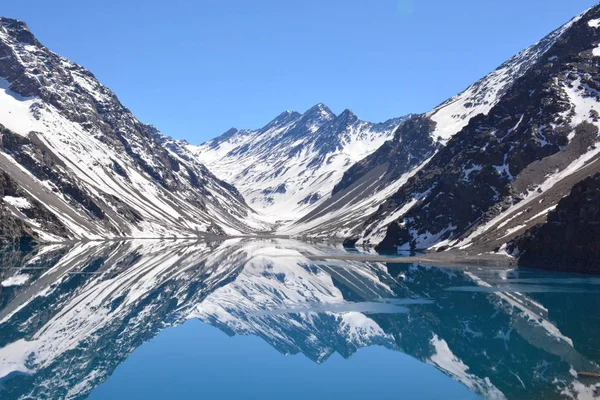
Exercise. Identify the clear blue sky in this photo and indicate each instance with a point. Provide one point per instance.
(196, 68)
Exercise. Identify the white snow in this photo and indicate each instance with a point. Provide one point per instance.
(582, 104)
(13, 357)
(268, 163)
(594, 23)
(453, 115)
(18, 202)
(17, 280)
(467, 172)
(350, 216)
(15, 111)
(445, 359)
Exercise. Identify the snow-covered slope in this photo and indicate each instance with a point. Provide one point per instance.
(509, 148)
(358, 205)
(77, 164)
(455, 113)
(291, 165)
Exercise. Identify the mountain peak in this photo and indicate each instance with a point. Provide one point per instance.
(13, 24)
(320, 108)
(18, 29)
(288, 114)
(347, 114)
(281, 120)
(230, 132)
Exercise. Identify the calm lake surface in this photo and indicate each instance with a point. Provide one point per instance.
(257, 319)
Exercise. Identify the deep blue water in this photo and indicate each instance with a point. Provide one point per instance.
(197, 360)
(250, 319)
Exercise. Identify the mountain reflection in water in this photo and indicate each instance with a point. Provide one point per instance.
(69, 315)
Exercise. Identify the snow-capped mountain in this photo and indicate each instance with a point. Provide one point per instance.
(291, 165)
(76, 164)
(505, 151)
(358, 207)
(69, 315)
(471, 175)
(367, 184)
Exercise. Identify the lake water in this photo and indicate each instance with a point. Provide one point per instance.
(260, 319)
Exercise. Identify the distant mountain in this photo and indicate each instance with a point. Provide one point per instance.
(76, 164)
(291, 165)
(368, 183)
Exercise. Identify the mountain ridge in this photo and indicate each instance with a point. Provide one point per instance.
(284, 168)
(472, 174)
(77, 154)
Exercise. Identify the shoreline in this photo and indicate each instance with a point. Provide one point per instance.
(444, 258)
(437, 259)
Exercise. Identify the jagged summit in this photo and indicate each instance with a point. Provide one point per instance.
(12, 24)
(291, 164)
(18, 30)
(320, 108)
(347, 115)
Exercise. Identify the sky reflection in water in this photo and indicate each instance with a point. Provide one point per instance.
(120, 320)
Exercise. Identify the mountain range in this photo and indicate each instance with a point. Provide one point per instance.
(504, 167)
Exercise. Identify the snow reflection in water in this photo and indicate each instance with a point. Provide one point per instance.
(84, 309)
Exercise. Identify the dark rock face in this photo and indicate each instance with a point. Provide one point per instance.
(362, 184)
(410, 146)
(468, 181)
(40, 163)
(570, 239)
(12, 228)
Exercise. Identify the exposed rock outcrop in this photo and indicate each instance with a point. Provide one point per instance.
(570, 239)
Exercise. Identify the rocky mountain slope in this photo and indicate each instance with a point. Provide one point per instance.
(570, 238)
(367, 184)
(291, 165)
(508, 149)
(76, 164)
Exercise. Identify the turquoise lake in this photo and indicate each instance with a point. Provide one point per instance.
(260, 319)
